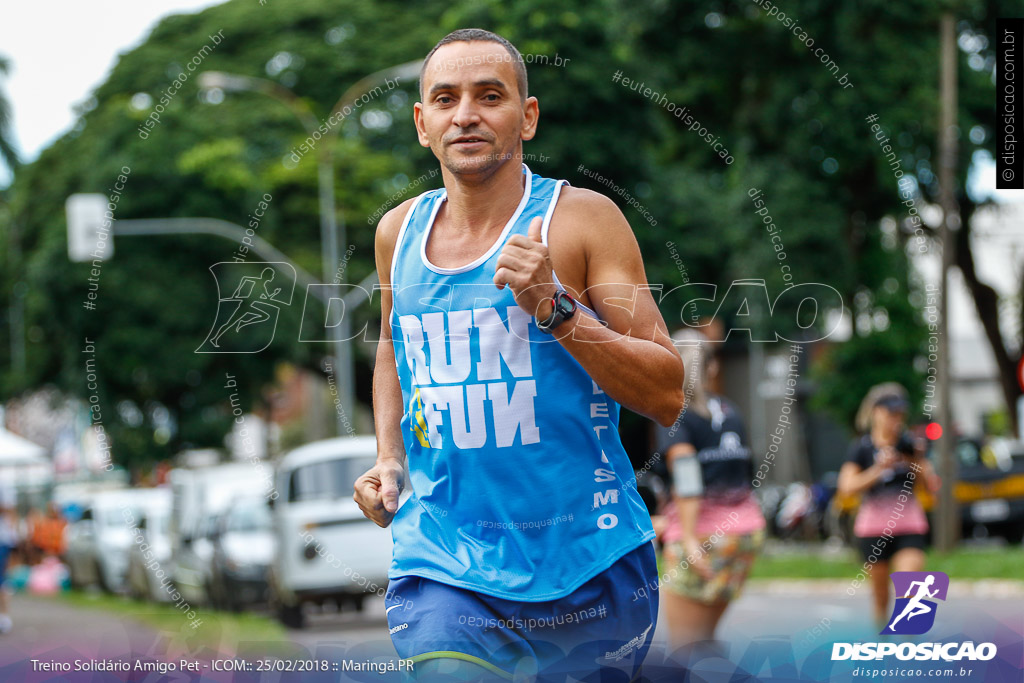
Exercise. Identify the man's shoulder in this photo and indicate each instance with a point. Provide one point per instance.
(589, 220)
(390, 223)
(579, 201)
(386, 236)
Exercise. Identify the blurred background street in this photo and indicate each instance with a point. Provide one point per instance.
(189, 191)
(765, 611)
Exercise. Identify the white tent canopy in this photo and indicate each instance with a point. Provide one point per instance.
(14, 450)
(23, 465)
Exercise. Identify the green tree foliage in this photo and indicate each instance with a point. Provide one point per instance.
(793, 131)
(8, 153)
(796, 131)
(157, 299)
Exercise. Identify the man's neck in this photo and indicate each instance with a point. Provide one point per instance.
(480, 205)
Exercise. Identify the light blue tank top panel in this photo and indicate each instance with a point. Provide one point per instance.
(521, 488)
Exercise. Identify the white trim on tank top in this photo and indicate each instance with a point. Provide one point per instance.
(401, 235)
(494, 247)
(544, 239)
(545, 226)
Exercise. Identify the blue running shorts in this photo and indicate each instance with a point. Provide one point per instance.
(599, 632)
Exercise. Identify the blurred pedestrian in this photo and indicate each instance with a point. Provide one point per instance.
(28, 532)
(8, 540)
(883, 464)
(714, 526)
(48, 532)
(47, 577)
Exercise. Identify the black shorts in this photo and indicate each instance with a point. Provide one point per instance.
(882, 548)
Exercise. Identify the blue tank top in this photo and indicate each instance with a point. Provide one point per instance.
(521, 488)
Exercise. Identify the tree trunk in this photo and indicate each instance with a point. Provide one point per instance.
(986, 301)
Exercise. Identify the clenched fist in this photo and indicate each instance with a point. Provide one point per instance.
(377, 491)
(525, 265)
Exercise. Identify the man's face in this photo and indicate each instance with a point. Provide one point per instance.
(471, 115)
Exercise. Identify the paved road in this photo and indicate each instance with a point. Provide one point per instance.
(49, 629)
(791, 608)
(787, 610)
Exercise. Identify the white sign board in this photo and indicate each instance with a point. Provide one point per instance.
(90, 231)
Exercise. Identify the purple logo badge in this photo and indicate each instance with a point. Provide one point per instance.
(914, 611)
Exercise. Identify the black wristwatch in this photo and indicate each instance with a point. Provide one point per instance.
(563, 308)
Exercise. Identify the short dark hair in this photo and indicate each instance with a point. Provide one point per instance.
(466, 35)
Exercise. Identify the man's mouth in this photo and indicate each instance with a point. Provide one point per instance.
(467, 141)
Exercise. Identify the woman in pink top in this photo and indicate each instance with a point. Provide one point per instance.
(883, 465)
(713, 526)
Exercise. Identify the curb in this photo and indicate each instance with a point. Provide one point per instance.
(958, 588)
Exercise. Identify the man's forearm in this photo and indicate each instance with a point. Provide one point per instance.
(641, 375)
(388, 405)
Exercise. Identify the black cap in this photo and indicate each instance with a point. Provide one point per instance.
(893, 403)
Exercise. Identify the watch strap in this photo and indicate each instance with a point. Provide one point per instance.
(563, 307)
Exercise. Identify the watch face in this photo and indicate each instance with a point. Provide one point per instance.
(564, 308)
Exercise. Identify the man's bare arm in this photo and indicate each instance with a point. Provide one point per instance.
(377, 491)
(388, 405)
(633, 359)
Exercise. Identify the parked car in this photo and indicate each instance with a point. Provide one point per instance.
(71, 498)
(989, 488)
(328, 552)
(143, 582)
(198, 496)
(98, 543)
(243, 547)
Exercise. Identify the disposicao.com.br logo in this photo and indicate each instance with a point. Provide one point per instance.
(914, 614)
(915, 587)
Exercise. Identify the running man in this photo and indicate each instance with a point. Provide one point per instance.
(524, 543)
(914, 605)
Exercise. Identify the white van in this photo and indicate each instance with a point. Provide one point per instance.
(143, 581)
(99, 542)
(198, 496)
(327, 550)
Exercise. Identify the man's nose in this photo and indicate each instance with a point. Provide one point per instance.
(467, 113)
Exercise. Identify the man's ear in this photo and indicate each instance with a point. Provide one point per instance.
(531, 115)
(417, 117)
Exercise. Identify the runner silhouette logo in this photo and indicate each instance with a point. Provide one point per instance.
(914, 612)
(250, 298)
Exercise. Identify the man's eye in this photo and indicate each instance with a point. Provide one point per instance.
(443, 99)
(492, 97)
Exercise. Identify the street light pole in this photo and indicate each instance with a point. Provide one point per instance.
(948, 515)
(151, 227)
(330, 226)
(329, 249)
(335, 227)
